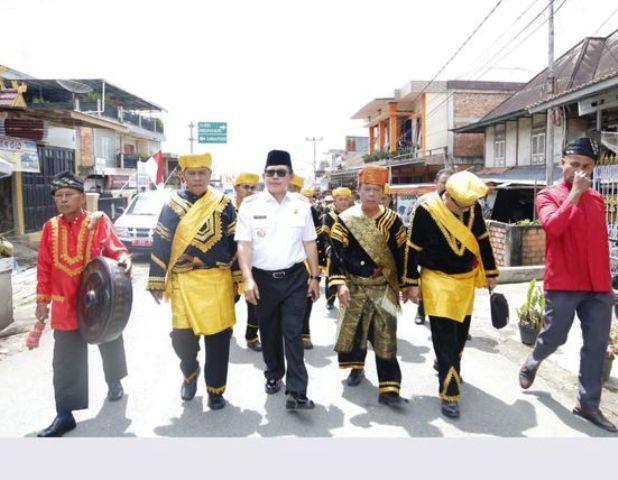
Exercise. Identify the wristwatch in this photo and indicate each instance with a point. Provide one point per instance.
(317, 277)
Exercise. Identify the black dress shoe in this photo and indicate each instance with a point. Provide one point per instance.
(389, 398)
(527, 374)
(256, 346)
(61, 425)
(419, 319)
(216, 401)
(329, 306)
(115, 391)
(272, 386)
(307, 344)
(450, 409)
(596, 418)
(296, 401)
(355, 377)
(189, 388)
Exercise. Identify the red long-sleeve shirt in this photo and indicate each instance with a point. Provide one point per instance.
(64, 251)
(577, 245)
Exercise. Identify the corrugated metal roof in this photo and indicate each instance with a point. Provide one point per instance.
(514, 174)
(591, 60)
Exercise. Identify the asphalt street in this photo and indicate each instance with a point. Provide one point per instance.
(493, 404)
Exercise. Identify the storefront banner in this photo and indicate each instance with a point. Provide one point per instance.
(22, 155)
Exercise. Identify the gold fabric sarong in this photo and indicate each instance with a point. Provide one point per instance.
(448, 295)
(372, 304)
(187, 229)
(203, 300)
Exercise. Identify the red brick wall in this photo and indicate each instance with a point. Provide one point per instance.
(497, 237)
(533, 246)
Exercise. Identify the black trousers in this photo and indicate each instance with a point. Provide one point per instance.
(280, 313)
(389, 373)
(187, 345)
(449, 339)
(421, 309)
(70, 366)
(251, 334)
(307, 317)
(594, 310)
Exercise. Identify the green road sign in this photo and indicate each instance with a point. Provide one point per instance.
(212, 132)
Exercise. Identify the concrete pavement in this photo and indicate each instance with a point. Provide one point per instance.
(493, 404)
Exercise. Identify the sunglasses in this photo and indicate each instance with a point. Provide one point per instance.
(280, 172)
(248, 187)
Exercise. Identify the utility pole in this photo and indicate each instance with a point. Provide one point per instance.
(191, 139)
(315, 169)
(549, 150)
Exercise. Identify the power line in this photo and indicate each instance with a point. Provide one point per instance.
(605, 22)
(460, 47)
(485, 68)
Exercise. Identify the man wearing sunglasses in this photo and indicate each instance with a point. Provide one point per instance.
(449, 241)
(275, 235)
(244, 186)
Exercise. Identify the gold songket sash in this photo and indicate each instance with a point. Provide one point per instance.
(373, 242)
(451, 295)
(187, 229)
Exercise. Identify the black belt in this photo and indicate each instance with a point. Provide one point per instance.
(279, 274)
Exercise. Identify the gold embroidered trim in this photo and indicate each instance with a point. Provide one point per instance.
(60, 253)
(215, 390)
(357, 365)
(43, 297)
(158, 261)
(451, 375)
(483, 236)
(389, 389)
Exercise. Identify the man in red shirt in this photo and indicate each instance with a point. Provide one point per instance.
(577, 276)
(68, 242)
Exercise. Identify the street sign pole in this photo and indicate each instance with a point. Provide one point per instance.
(191, 139)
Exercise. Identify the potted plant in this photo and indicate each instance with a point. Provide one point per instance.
(531, 314)
(611, 352)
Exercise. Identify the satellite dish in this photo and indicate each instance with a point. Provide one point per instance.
(74, 87)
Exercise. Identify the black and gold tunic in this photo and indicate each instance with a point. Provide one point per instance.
(430, 245)
(212, 247)
(349, 258)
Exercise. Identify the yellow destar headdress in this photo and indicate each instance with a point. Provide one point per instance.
(342, 192)
(387, 189)
(246, 179)
(466, 188)
(307, 192)
(298, 181)
(195, 160)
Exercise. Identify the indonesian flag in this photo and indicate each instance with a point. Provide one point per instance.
(154, 169)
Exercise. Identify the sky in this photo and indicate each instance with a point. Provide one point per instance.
(280, 71)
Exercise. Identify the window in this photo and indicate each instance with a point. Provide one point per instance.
(537, 152)
(500, 152)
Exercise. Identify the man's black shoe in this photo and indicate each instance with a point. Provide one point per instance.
(189, 388)
(296, 401)
(527, 375)
(389, 398)
(419, 319)
(596, 418)
(61, 425)
(256, 346)
(115, 391)
(450, 409)
(329, 306)
(355, 377)
(307, 344)
(216, 401)
(272, 386)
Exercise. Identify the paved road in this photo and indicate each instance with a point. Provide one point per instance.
(493, 404)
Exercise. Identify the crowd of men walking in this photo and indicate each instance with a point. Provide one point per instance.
(273, 247)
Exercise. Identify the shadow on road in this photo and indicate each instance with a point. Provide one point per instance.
(304, 423)
(194, 421)
(320, 356)
(568, 418)
(484, 344)
(111, 421)
(242, 355)
(411, 353)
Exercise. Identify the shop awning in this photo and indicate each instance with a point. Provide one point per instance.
(5, 168)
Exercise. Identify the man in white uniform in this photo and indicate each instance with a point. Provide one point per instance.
(275, 235)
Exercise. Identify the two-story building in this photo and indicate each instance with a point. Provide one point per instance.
(88, 126)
